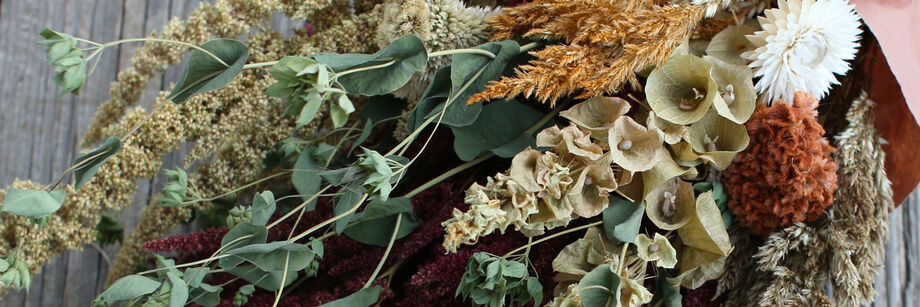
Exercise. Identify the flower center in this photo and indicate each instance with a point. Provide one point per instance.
(653, 247)
(690, 103)
(729, 94)
(710, 143)
(624, 145)
(668, 207)
(809, 49)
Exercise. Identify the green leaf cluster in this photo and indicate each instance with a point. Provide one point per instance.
(495, 281)
(67, 59)
(205, 73)
(307, 84)
(242, 295)
(15, 273)
(382, 173)
(175, 191)
(109, 230)
(87, 164)
(238, 215)
(173, 288)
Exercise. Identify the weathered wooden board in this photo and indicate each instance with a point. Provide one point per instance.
(40, 131)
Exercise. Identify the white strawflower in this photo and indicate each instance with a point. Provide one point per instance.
(802, 45)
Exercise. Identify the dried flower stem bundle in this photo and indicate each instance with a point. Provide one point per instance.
(606, 42)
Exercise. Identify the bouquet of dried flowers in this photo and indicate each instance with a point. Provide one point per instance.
(551, 152)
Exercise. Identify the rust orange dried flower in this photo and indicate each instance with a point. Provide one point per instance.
(787, 174)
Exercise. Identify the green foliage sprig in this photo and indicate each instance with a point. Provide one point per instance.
(494, 281)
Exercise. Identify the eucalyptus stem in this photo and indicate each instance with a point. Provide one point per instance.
(448, 174)
(150, 39)
(183, 265)
(460, 51)
(287, 257)
(339, 145)
(360, 69)
(529, 46)
(231, 192)
(330, 221)
(260, 64)
(303, 204)
(386, 253)
(543, 239)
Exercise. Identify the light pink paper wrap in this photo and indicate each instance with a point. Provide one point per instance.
(896, 24)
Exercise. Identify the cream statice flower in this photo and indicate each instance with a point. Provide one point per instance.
(802, 45)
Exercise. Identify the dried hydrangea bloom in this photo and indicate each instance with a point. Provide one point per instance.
(730, 43)
(590, 194)
(717, 139)
(673, 133)
(495, 206)
(597, 114)
(671, 205)
(570, 140)
(633, 293)
(541, 173)
(786, 175)
(681, 91)
(580, 257)
(658, 250)
(634, 147)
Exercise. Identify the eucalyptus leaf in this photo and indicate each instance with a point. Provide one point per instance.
(432, 101)
(270, 280)
(204, 73)
(409, 55)
(128, 288)
(242, 235)
(622, 219)
(502, 128)
(342, 203)
(470, 72)
(274, 256)
(206, 295)
(666, 294)
(88, 163)
(376, 223)
(365, 133)
(263, 205)
(195, 275)
(33, 204)
(363, 298)
(600, 287)
(178, 291)
(306, 178)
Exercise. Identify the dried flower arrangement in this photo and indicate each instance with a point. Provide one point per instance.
(641, 152)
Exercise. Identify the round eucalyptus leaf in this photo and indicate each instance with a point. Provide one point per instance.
(205, 73)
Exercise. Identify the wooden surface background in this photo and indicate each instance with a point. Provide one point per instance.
(40, 131)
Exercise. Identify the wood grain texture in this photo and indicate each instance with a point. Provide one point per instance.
(40, 130)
